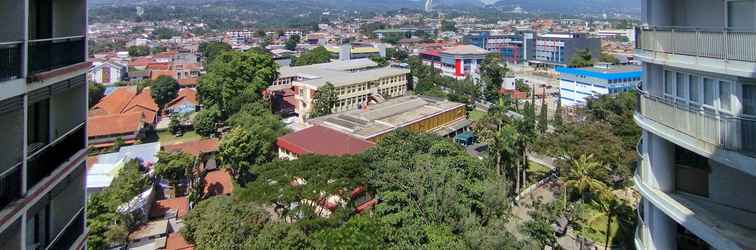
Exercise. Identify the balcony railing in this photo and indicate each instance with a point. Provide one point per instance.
(10, 186)
(735, 133)
(68, 237)
(45, 161)
(717, 43)
(10, 60)
(49, 54)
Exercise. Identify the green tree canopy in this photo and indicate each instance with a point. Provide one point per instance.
(291, 44)
(173, 166)
(164, 90)
(96, 92)
(236, 78)
(205, 121)
(582, 58)
(325, 100)
(493, 74)
(135, 51)
(314, 56)
(211, 50)
(223, 223)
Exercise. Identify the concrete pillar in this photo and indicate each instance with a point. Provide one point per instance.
(662, 229)
(661, 171)
(658, 12)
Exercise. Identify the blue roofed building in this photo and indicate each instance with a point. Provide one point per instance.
(576, 85)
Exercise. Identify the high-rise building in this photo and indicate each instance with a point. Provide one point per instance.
(697, 110)
(43, 113)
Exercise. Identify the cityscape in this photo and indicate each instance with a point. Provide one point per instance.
(387, 124)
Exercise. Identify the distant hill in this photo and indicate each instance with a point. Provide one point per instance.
(570, 6)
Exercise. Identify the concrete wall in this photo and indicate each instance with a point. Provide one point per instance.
(12, 133)
(68, 109)
(12, 19)
(730, 187)
(11, 237)
(69, 18)
(67, 199)
(705, 13)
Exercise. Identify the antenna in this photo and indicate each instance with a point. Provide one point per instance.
(428, 5)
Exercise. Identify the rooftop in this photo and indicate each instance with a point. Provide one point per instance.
(322, 141)
(116, 124)
(466, 49)
(178, 207)
(340, 73)
(612, 72)
(385, 117)
(194, 148)
(218, 182)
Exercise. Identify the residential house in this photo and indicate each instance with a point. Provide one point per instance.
(108, 72)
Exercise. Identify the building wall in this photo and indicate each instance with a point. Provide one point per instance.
(575, 89)
(430, 123)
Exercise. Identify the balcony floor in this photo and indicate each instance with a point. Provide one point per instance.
(711, 65)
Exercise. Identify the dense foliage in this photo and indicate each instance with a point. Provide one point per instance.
(135, 51)
(96, 93)
(205, 121)
(252, 139)
(314, 56)
(164, 89)
(324, 101)
(211, 50)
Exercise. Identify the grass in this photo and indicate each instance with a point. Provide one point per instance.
(476, 115)
(166, 138)
(536, 172)
(594, 226)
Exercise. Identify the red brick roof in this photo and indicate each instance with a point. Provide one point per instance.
(188, 82)
(218, 182)
(322, 141)
(126, 100)
(194, 148)
(159, 66)
(184, 94)
(117, 124)
(180, 205)
(141, 62)
(155, 73)
(176, 241)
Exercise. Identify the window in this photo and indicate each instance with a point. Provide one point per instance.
(693, 89)
(669, 81)
(709, 91)
(725, 93)
(680, 83)
(749, 99)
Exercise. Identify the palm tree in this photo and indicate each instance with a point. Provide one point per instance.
(610, 203)
(579, 178)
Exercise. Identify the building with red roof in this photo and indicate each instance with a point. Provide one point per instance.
(170, 208)
(127, 100)
(185, 102)
(204, 150)
(320, 140)
(218, 182)
(103, 130)
(175, 241)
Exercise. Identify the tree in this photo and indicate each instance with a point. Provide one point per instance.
(314, 56)
(291, 44)
(558, 113)
(493, 74)
(543, 119)
(136, 51)
(582, 58)
(211, 50)
(175, 124)
(164, 33)
(579, 179)
(96, 93)
(173, 167)
(611, 205)
(164, 90)
(381, 61)
(448, 26)
(539, 228)
(400, 55)
(205, 121)
(236, 78)
(608, 58)
(223, 223)
(325, 100)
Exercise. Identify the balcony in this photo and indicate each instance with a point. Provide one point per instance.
(50, 54)
(70, 235)
(10, 186)
(10, 61)
(713, 132)
(48, 158)
(710, 48)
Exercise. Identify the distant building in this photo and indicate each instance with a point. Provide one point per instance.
(357, 82)
(353, 51)
(578, 84)
(558, 49)
(414, 113)
(513, 48)
(108, 73)
(318, 140)
(458, 62)
(398, 33)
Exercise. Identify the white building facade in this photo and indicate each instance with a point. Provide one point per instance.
(697, 110)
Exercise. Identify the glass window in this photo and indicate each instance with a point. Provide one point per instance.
(693, 89)
(709, 91)
(669, 81)
(680, 83)
(749, 99)
(725, 93)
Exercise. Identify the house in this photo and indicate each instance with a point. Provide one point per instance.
(186, 102)
(319, 140)
(204, 150)
(104, 130)
(127, 100)
(108, 72)
(102, 169)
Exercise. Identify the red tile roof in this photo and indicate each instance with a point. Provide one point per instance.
(155, 73)
(218, 182)
(188, 82)
(194, 148)
(159, 66)
(176, 241)
(141, 62)
(117, 124)
(322, 141)
(184, 94)
(180, 205)
(127, 100)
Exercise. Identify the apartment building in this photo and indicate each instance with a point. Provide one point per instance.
(697, 110)
(43, 109)
(356, 81)
(513, 48)
(558, 49)
(458, 62)
(577, 85)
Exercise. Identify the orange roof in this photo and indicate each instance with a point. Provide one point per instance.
(114, 124)
(145, 103)
(141, 62)
(194, 148)
(180, 205)
(159, 66)
(184, 94)
(155, 73)
(114, 103)
(188, 81)
(218, 182)
(176, 241)
(166, 54)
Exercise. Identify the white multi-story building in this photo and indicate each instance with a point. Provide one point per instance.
(43, 114)
(697, 110)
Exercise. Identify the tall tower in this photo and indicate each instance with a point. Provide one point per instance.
(697, 112)
(428, 5)
(43, 114)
